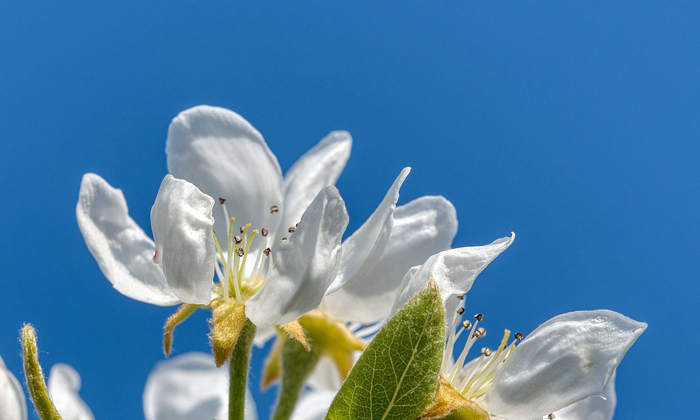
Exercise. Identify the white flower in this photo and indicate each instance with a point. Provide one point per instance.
(565, 364)
(64, 385)
(190, 387)
(224, 157)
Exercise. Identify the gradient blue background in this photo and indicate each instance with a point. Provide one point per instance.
(574, 125)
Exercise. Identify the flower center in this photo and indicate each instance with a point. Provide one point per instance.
(473, 380)
(243, 268)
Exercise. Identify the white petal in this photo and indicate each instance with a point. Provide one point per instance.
(597, 407)
(14, 406)
(421, 228)
(122, 250)
(189, 387)
(325, 376)
(225, 157)
(263, 335)
(454, 270)
(363, 249)
(305, 265)
(182, 228)
(64, 386)
(566, 359)
(319, 167)
(313, 405)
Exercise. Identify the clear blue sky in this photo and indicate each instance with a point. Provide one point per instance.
(574, 124)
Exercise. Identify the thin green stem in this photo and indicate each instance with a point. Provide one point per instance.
(35, 377)
(297, 364)
(238, 371)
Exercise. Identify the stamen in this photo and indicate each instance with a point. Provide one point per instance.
(551, 416)
(267, 252)
(222, 201)
(486, 351)
(292, 229)
(519, 336)
(274, 209)
(460, 311)
(479, 317)
(264, 232)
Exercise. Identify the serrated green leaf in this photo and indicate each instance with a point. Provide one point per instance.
(397, 376)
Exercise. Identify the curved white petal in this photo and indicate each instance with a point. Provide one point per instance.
(313, 405)
(121, 249)
(317, 168)
(224, 156)
(182, 228)
(64, 386)
(566, 359)
(363, 249)
(325, 376)
(14, 406)
(305, 265)
(596, 407)
(423, 227)
(454, 270)
(189, 387)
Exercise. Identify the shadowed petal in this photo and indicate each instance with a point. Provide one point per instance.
(64, 386)
(421, 228)
(182, 228)
(313, 405)
(305, 265)
(121, 249)
(597, 407)
(189, 387)
(14, 406)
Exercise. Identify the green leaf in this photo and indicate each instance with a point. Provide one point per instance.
(397, 376)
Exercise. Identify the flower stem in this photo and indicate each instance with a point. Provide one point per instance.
(297, 364)
(35, 377)
(238, 371)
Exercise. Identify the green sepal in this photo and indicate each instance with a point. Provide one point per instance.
(397, 375)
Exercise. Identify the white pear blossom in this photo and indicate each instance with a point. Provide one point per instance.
(190, 387)
(64, 385)
(224, 157)
(563, 368)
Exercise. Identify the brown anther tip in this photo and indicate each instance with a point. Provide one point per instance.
(480, 332)
(551, 416)
(222, 200)
(240, 229)
(460, 311)
(264, 232)
(486, 351)
(479, 317)
(267, 252)
(291, 229)
(284, 239)
(466, 325)
(297, 224)
(274, 209)
(240, 252)
(519, 336)
(460, 297)
(237, 239)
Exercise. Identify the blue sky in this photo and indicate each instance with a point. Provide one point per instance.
(574, 125)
